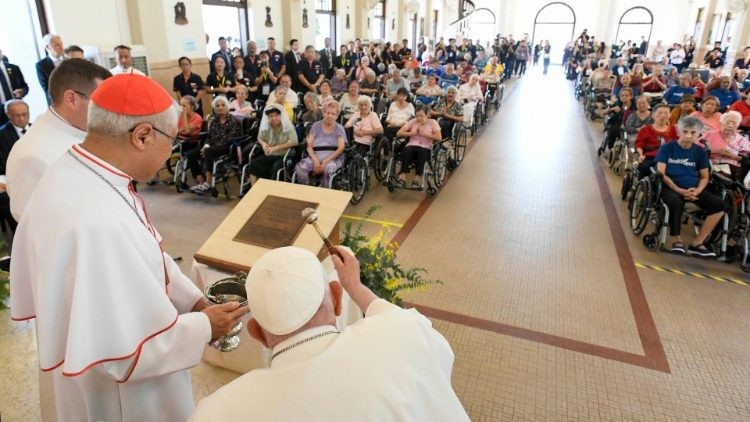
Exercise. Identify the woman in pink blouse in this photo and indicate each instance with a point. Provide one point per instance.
(365, 123)
(708, 114)
(422, 132)
(728, 146)
(240, 107)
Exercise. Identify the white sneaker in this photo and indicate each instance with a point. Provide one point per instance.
(201, 188)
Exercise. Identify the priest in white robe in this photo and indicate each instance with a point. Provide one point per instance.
(118, 324)
(53, 132)
(390, 366)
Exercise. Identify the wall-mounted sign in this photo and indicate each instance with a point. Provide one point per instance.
(188, 45)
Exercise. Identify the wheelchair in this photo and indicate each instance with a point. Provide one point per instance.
(581, 86)
(621, 155)
(228, 166)
(492, 97)
(611, 128)
(435, 169)
(647, 206)
(590, 101)
(353, 176)
(179, 161)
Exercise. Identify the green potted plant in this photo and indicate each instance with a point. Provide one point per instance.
(377, 262)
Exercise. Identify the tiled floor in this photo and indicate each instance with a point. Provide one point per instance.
(542, 303)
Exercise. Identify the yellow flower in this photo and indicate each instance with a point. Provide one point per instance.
(391, 284)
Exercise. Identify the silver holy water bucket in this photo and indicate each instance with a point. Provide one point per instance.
(228, 290)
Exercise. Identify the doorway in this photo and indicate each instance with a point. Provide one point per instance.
(555, 22)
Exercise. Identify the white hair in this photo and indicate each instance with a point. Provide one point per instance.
(47, 40)
(218, 99)
(243, 88)
(730, 114)
(10, 103)
(106, 123)
(366, 100)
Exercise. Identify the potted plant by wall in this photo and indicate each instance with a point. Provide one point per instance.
(377, 262)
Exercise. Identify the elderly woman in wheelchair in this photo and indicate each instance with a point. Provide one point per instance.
(325, 148)
(450, 110)
(422, 133)
(651, 137)
(365, 126)
(222, 129)
(729, 149)
(430, 92)
(277, 134)
(684, 167)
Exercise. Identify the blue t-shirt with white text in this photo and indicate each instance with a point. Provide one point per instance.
(683, 165)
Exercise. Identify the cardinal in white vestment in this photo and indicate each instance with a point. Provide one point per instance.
(390, 366)
(118, 324)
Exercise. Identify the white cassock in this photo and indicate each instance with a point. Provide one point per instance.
(44, 143)
(112, 310)
(390, 366)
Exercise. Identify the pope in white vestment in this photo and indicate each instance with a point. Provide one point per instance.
(390, 366)
(115, 317)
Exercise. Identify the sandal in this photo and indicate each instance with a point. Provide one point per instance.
(678, 248)
(701, 250)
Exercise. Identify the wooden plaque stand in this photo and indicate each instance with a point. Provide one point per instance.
(224, 252)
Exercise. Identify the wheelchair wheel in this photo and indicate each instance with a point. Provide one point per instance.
(358, 179)
(459, 147)
(627, 184)
(214, 192)
(743, 253)
(640, 207)
(441, 164)
(603, 146)
(380, 160)
(431, 191)
(171, 163)
(719, 233)
(614, 155)
(650, 242)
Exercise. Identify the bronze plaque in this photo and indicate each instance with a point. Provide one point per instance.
(276, 223)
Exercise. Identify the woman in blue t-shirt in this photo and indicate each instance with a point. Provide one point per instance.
(684, 166)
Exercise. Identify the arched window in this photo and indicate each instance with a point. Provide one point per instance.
(376, 18)
(555, 22)
(325, 22)
(635, 23)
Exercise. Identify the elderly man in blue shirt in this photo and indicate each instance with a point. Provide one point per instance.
(725, 93)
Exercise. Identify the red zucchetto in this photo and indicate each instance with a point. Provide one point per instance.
(131, 95)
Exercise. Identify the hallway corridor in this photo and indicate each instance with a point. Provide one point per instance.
(545, 309)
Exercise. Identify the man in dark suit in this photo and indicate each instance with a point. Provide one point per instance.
(55, 55)
(292, 59)
(12, 85)
(10, 132)
(326, 58)
(224, 52)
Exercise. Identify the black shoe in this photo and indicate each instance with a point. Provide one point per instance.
(701, 250)
(678, 248)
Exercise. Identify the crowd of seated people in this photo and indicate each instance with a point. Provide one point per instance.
(371, 89)
(680, 121)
